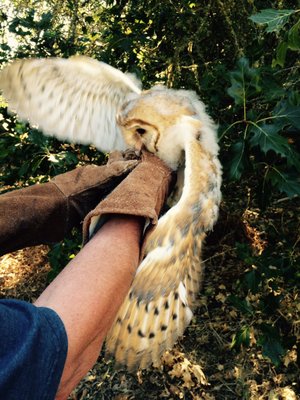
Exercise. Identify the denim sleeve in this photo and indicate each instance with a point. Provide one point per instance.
(33, 350)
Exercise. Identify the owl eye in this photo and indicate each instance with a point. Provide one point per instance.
(140, 131)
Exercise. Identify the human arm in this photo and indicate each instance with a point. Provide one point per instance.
(96, 281)
(140, 197)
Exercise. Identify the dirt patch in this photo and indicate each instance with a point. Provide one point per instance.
(23, 273)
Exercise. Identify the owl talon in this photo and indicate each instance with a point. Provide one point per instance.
(131, 154)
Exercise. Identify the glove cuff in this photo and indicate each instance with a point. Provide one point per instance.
(142, 193)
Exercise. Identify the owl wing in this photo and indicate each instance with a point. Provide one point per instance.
(159, 305)
(75, 99)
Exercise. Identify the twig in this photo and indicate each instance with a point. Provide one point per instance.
(285, 199)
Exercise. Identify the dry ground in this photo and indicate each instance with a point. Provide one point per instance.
(204, 364)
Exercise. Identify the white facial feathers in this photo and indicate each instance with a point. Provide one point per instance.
(170, 118)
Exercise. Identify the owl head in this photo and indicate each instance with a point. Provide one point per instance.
(163, 120)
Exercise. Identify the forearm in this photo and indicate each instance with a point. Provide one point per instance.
(32, 216)
(89, 291)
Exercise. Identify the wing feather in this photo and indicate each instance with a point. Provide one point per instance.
(75, 99)
(154, 315)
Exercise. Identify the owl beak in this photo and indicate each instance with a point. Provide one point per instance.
(138, 148)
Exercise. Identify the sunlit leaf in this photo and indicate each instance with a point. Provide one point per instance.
(274, 19)
(241, 337)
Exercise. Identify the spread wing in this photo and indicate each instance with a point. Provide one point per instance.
(75, 99)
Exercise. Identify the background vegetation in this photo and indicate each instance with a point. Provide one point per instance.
(242, 58)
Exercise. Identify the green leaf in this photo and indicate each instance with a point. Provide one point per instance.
(238, 161)
(37, 138)
(13, 25)
(287, 113)
(274, 19)
(271, 344)
(45, 21)
(284, 182)
(273, 350)
(241, 304)
(252, 280)
(3, 152)
(24, 168)
(280, 54)
(244, 82)
(242, 336)
(272, 89)
(244, 253)
(294, 37)
(265, 136)
(271, 302)
(5, 47)
(35, 164)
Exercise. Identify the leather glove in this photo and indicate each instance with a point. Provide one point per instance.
(44, 213)
(142, 193)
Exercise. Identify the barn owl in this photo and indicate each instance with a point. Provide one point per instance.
(86, 101)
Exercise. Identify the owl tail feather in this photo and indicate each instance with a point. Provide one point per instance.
(148, 329)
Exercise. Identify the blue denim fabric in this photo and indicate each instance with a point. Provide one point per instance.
(33, 349)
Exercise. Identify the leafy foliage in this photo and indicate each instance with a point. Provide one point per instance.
(260, 294)
(267, 125)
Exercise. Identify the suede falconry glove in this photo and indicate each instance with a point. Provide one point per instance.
(142, 193)
(44, 213)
